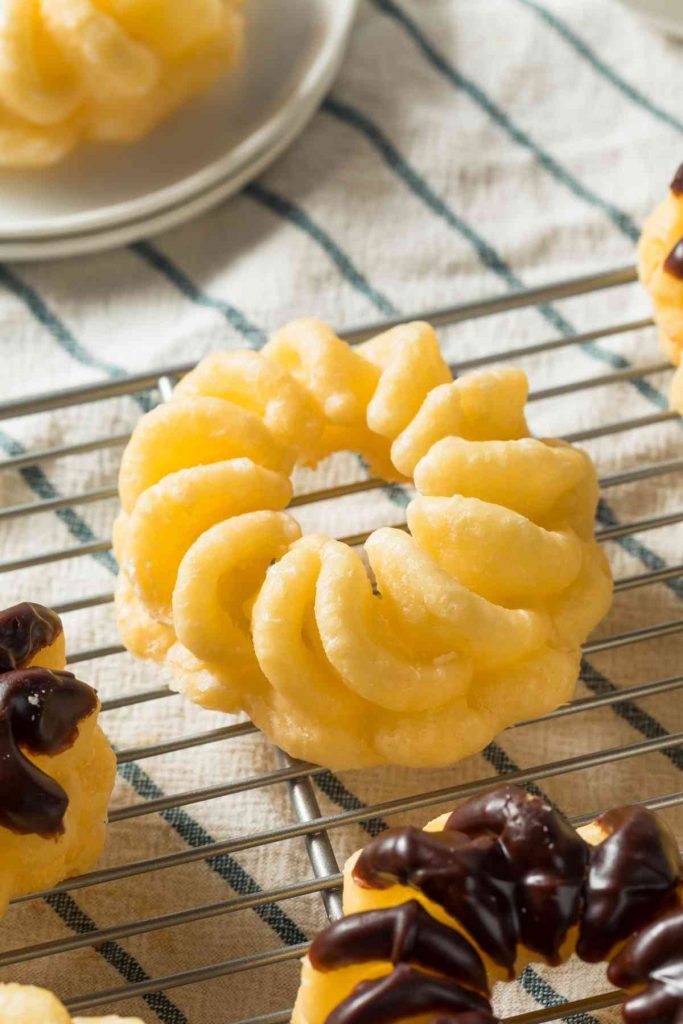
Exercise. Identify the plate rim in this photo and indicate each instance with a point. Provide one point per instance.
(308, 92)
(76, 244)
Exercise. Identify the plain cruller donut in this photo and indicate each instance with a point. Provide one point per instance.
(435, 916)
(76, 70)
(468, 622)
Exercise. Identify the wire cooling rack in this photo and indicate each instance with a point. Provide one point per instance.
(314, 826)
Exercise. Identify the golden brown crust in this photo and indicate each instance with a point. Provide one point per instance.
(72, 71)
(484, 601)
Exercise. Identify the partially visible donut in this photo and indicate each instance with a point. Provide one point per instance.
(468, 622)
(85, 70)
(435, 916)
(57, 769)
(31, 634)
(660, 265)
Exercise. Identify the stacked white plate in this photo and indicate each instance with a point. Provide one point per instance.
(103, 196)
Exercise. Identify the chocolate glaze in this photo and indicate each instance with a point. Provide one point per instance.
(40, 711)
(510, 869)
(673, 264)
(632, 878)
(654, 958)
(507, 866)
(406, 993)
(469, 878)
(547, 860)
(26, 629)
(402, 934)
(676, 185)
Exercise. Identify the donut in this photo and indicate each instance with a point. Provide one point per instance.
(75, 70)
(660, 266)
(56, 767)
(31, 634)
(470, 620)
(434, 917)
(27, 1004)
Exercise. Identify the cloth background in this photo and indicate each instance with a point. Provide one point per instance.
(468, 147)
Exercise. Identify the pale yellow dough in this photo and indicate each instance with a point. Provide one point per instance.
(86, 772)
(483, 603)
(26, 1004)
(662, 231)
(104, 70)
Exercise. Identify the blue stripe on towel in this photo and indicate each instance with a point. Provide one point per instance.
(44, 315)
(619, 218)
(296, 215)
(168, 269)
(128, 967)
(487, 254)
(195, 835)
(645, 723)
(40, 484)
(581, 47)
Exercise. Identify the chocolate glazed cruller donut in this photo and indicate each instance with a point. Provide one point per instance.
(477, 613)
(436, 916)
(660, 265)
(56, 768)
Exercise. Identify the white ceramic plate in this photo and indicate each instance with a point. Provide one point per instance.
(62, 246)
(666, 15)
(196, 158)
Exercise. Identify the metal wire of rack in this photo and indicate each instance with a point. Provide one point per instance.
(312, 824)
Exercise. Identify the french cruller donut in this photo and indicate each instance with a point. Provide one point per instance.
(470, 620)
(76, 70)
(56, 767)
(434, 917)
(660, 264)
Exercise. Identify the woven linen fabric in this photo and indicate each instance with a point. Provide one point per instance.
(468, 148)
